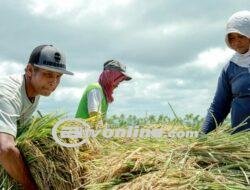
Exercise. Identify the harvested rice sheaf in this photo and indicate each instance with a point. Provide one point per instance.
(218, 160)
(53, 167)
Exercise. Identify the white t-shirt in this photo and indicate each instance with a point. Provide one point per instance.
(15, 107)
(94, 101)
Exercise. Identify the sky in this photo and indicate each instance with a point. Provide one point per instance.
(174, 50)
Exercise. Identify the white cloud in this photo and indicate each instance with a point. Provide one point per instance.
(143, 86)
(67, 93)
(82, 76)
(170, 29)
(74, 9)
(150, 90)
(51, 8)
(176, 28)
(8, 67)
(136, 75)
(150, 35)
(179, 82)
(212, 58)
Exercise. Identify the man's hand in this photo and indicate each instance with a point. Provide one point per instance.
(12, 161)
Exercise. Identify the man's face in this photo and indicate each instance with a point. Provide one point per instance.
(238, 42)
(44, 82)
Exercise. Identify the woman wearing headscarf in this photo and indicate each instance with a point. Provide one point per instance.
(233, 90)
(97, 96)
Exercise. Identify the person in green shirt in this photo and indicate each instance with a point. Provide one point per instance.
(97, 96)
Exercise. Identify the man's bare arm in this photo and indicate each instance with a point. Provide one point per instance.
(12, 161)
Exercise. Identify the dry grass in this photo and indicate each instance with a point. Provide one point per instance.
(216, 161)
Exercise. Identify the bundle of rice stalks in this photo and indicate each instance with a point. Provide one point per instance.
(216, 161)
(175, 178)
(52, 166)
(125, 159)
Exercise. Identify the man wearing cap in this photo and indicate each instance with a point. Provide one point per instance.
(97, 96)
(19, 98)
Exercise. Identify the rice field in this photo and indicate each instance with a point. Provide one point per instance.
(215, 161)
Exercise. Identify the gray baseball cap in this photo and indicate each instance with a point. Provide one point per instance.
(116, 65)
(50, 58)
